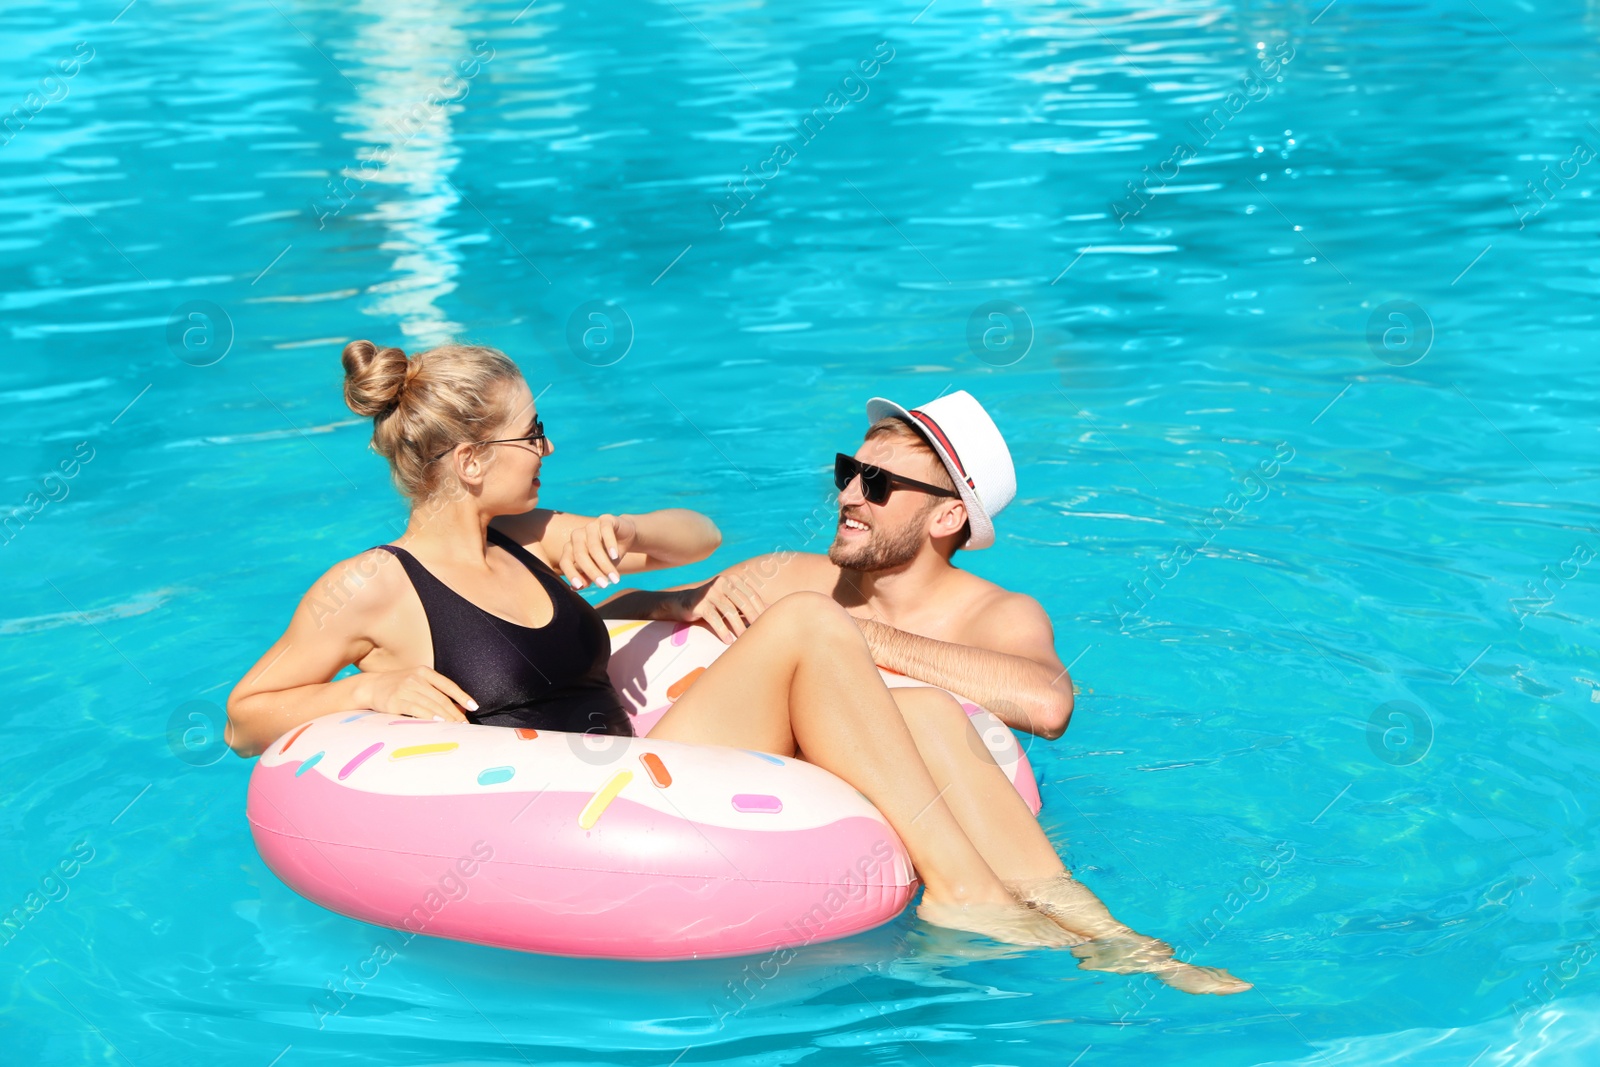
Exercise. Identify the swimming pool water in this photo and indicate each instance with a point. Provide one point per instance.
(1303, 418)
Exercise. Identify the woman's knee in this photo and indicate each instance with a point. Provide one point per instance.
(815, 615)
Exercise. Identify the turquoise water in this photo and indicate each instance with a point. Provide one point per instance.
(1320, 395)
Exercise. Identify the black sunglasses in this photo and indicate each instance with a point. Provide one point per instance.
(537, 439)
(877, 483)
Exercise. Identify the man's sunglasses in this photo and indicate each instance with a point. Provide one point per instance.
(877, 483)
(537, 439)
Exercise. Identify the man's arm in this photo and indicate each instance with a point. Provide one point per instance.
(1011, 668)
(728, 603)
(664, 604)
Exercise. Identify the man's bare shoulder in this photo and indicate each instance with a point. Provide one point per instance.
(1005, 621)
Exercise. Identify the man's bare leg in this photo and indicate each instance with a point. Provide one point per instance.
(983, 799)
(802, 677)
(998, 822)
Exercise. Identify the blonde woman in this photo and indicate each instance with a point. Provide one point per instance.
(475, 625)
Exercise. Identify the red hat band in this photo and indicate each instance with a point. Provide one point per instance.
(933, 428)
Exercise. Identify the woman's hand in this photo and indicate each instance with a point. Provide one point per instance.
(727, 604)
(591, 554)
(416, 693)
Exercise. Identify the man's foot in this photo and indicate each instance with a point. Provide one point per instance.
(1128, 953)
(1071, 904)
(1187, 978)
(1111, 946)
(1012, 924)
(1137, 954)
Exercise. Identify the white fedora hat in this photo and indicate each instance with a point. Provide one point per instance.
(974, 453)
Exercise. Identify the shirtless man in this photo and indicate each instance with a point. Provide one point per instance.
(925, 483)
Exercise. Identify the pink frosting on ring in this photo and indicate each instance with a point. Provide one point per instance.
(520, 875)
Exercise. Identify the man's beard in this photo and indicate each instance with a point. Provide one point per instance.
(879, 551)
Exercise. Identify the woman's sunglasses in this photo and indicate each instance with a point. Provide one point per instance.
(537, 439)
(877, 483)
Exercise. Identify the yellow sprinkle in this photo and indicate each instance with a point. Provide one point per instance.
(423, 750)
(602, 800)
(623, 628)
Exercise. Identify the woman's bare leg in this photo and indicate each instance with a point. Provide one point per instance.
(998, 822)
(802, 677)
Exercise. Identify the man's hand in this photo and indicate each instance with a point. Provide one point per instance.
(592, 552)
(727, 604)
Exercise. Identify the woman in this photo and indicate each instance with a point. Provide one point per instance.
(475, 626)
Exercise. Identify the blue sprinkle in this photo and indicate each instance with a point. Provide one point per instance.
(311, 761)
(357, 715)
(495, 775)
(763, 755)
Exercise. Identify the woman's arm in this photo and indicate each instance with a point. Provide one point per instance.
(672, 537)
(292, 683)
(602, 549)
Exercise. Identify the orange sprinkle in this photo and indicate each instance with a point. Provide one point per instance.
(681, 686)
(293, 738)
(657, 769)
(527, 735)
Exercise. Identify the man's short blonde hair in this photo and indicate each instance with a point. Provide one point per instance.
(902, 431)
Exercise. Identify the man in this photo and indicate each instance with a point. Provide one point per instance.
(925, 483)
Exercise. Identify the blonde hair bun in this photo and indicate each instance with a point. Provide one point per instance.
(373, 377)
(423, 406)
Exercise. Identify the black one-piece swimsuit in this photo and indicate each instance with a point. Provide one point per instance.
(550, 677)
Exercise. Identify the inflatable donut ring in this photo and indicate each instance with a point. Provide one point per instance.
(580, 845)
